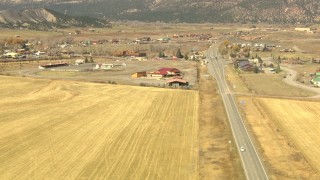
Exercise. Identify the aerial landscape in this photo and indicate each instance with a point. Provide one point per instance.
(159, 89)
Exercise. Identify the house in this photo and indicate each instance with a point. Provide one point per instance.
(21, 51)
(11, 55)
(154, 75)
(129, 53)
(39, 53)
(303, 29)
(243, 65)
(139, 74)
(139, 58)
(164, 40)
(104, 66)
(315, 60)
(79, 61)
(197, 57)
(316, 81)
(135, 54)
(177, 82)
(143, 40)
(118, 53)
(115, 41)
(175, 36)
(164, 72)
(169, 71)
(255, 60)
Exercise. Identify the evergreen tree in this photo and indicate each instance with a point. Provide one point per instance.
(179, 54)
(256, 69)
(161, 54)
(260, 60)
(233, 54)
(247, 55)
(186, 57)
(278, 69)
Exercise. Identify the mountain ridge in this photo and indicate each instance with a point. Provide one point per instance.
(243, 11)
(43, 18)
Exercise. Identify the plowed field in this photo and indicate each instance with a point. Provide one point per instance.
(75, 130)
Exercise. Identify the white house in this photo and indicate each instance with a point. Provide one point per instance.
(255, 61)
(79, 61)
(39, 53)
(104, 66)
(303, 30)
(11, 55)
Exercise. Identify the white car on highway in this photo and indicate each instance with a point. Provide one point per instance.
(242, 149)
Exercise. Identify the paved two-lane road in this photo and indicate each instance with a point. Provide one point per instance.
(251, 162)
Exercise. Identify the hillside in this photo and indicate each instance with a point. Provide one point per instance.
(271, 11)
(44, 18)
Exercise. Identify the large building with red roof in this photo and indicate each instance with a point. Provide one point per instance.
(164, 72)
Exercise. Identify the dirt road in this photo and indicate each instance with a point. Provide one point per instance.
(291, 80)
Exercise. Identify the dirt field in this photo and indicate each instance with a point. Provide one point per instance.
(52, 129)
(287, 135)
(218, 158)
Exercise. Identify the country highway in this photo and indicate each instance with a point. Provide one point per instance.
(251, 162)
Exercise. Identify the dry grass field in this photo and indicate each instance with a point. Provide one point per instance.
(272, 85)
(53, 129)
(287, 134)
(263, 84)
(308, 69)
(218, 159)
(7, 33)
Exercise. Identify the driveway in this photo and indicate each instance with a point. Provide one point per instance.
(291, 80)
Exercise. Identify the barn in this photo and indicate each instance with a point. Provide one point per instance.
(169, 71)
(164, 72)
(139, 74)
(177, 82)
